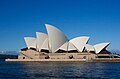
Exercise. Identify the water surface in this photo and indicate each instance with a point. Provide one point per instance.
(59, 70)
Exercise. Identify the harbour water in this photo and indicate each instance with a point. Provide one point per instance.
(59, 70)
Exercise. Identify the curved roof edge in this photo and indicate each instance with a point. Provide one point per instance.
(30, 42)
(67, 47)
(80, 42)
(89, 47)
(71, 47)
(45, 45)
(56, 37)
(64, 46)
(40, 39)
(99, 47)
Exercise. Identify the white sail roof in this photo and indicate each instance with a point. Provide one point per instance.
(56, 37)
(100, 46)
(40, 39)
(80, 42)
(67, 47)
(89, 47)
(30, 42)
(45, 45)
(71, 47)
(64, 46)
(56, 40)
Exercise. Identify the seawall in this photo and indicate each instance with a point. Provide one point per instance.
(65, 60)
(45, 60)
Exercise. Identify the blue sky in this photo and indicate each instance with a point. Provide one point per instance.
(99, 19)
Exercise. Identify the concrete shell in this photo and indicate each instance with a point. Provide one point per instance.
(40, 39)
(56, 37)
(71, 47)
(30, 42)
(100, 46)
(67, 47)
(45, 45)
(56, 40)
(80, 42)
(64, 46)
(89, 47)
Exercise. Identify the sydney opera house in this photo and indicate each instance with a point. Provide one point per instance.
(55, 41)
(56, 46)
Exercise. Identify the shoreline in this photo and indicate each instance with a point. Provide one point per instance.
(64, 60)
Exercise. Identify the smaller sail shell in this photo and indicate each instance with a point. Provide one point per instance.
(30, 42)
